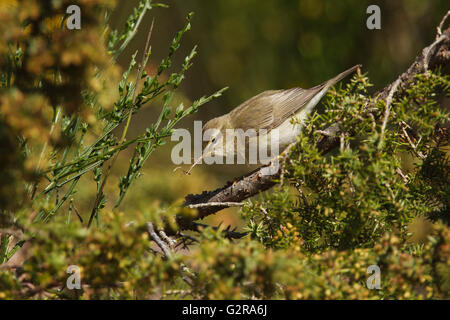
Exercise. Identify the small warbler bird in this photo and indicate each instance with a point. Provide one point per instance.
(260, 117)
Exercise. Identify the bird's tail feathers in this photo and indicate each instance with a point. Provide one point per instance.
(342, 75)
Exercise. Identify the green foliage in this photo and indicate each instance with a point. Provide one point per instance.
(86, 140)
(313, 237)
(115, 262)
(353, 196)
(70, 163)
(130, 29)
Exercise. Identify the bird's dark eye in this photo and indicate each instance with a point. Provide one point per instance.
(213, 140)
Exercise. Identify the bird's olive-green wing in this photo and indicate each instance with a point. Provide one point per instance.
(270, 109)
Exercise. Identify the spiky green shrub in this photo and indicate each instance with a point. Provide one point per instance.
(312, 237)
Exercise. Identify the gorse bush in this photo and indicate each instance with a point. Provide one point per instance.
(65, 117)
(353, 196)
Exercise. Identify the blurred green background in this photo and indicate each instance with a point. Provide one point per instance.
(251, 46)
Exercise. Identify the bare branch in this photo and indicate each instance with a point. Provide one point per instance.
(405, 126)
(215, 204)
(441, 25)
(388, 105)
(157, 239)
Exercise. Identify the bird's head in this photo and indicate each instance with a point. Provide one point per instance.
(213, 136)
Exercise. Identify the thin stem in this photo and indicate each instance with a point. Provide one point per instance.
(44, 148)
(145, 56)
(133, 33)
(387, 112)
